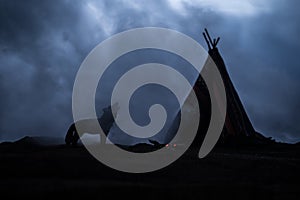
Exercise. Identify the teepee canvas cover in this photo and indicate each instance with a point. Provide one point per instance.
(237, 123)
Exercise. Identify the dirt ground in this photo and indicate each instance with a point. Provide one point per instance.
(47, 172)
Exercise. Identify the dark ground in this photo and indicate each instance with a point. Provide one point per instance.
(236, 172)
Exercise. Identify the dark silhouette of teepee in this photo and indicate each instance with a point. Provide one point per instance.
(237, 122)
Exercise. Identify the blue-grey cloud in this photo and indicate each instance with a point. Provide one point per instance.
(43, 43)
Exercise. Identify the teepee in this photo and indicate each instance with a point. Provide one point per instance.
(237, 123)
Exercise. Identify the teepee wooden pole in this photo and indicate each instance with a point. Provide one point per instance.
(207, 42)
(212, 44)
(218, 39)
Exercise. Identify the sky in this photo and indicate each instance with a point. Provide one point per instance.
(43, 43)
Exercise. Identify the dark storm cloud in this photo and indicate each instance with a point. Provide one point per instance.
(42, 44)
(39, 56)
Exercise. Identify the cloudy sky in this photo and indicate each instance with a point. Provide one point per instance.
(43, 43)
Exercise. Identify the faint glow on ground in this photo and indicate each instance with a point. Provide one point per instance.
(91, 138)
